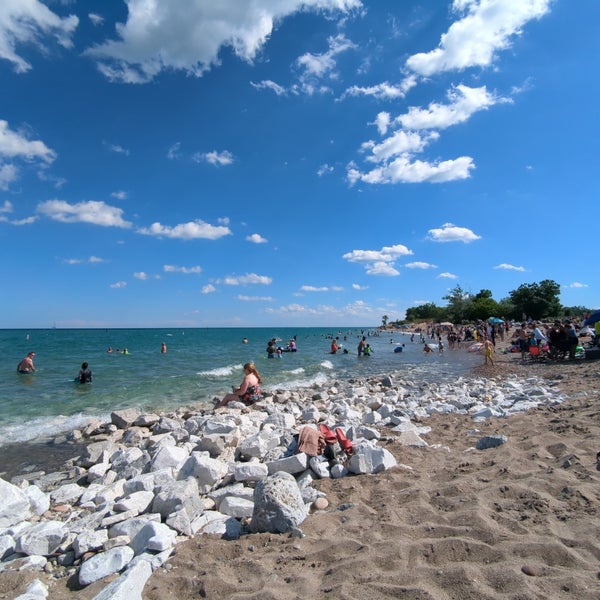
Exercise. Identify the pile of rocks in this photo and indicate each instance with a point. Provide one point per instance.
(147, 481)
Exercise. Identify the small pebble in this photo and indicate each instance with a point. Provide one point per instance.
(533, 570)
(320, 504)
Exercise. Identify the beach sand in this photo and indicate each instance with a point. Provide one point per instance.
(520, 521)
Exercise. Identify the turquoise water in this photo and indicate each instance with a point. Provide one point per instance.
(199, 364)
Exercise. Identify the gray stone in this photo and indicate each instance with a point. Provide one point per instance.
(278, 504)
(90, 540)
(491, 441)
(176, 496)
(67, 494)
(124, 418)
(42, 538)
(139, 502)
(7, 545)
(103, 564)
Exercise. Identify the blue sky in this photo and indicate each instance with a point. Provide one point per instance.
(288, 163)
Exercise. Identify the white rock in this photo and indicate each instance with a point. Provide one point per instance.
(257, 445)
(36, 590)
(104, 564)
(320, 467)
(153, 536)
(291, 464)
(138, 502)
(369, 459)
(89, 540)
(42, 538)
(278, 505)
(15, 506)
(129, 586)
(239, 508)
(206, 470)
(97, 471)
(38, 500)
(7, 545)
(250, 471)
(169, 456)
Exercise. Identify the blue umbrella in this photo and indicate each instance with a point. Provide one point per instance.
(495, 320)
(593, 318)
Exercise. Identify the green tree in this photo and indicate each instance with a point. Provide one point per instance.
(424, 312)
(384, 320)
(458, 303)
(537, 300)
(482, 309)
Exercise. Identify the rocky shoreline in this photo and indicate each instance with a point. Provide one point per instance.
(144, 483)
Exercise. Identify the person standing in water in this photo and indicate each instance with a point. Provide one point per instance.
(85, 374)
(163, 348)
(26, 365)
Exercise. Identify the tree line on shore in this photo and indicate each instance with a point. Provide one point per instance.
(530, 300)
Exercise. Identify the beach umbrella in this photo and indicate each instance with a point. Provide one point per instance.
(593, 318)
(495, 320)
(446, 324)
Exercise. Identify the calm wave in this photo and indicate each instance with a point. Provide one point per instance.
(198, 365)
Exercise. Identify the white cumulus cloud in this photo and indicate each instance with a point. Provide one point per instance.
(92, 211)
(192, 230)
(451, 233)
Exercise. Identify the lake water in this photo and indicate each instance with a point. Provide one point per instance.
(199, 364)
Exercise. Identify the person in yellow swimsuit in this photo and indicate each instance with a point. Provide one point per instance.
(488, 348)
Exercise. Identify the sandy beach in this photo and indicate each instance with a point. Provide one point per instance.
(519, 521)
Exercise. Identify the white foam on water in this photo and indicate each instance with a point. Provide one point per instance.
(327, 364)
(297, 371)
(318, 379)
(44, 427)
(221, 371)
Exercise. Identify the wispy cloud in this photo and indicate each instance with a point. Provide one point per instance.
(219, 159)
(185, 270)
(248, 279)
(508, 267)
(577, 284)
(420, 265)
(32, 24)
(255, 298)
